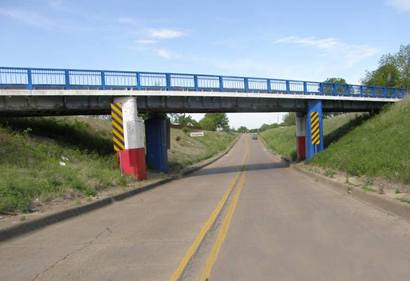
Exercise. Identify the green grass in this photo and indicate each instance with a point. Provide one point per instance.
(282, 140)
(405, 200)
(379, 147)
(45, 158)
(186, 150)
(367, 188)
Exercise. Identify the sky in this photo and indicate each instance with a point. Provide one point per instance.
(303, 40)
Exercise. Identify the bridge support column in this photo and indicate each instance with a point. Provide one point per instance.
(132, 153)
(157, 130)
(300, 136)
(314, 128)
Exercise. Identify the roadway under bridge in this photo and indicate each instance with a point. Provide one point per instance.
(284, 226)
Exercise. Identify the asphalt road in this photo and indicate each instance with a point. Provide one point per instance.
(276, 224)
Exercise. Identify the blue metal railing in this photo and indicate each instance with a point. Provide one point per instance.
(43, 78)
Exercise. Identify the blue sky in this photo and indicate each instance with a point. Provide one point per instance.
(306, 40)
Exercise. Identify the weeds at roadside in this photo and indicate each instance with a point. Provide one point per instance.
(330, 173)
(84, 146)
(347, 178)
(404, 200)
(367, 188)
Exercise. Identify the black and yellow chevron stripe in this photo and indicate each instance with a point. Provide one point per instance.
(117, 127)
(314, 124)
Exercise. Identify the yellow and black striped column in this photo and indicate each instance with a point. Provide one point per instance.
(117, 127)
(314, 124)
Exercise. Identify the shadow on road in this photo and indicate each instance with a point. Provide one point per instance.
(237, 168)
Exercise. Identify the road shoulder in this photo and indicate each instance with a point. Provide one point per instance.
(387, 203)
(382, 201)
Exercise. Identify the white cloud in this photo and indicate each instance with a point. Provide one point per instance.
(352, 53)
(146, 41)
(165, 53)
(165, 33)
(153, 36)
(28, 17)
(401, 5)
(325, 43)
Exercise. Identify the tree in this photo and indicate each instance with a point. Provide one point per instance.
(184, 120)
(335, 80)
(393, 70)
(212, 121)
(386, 75)
(328, 89)
(242, 129)
(328, 85)
(289, 119)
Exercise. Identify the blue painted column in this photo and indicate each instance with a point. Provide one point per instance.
(314, 128)
(157, 135)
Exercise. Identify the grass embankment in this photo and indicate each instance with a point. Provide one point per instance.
(359, 146)
(186, 151)
(282, 140)
(45, 158)
(378, 148)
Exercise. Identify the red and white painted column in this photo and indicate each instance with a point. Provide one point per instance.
(300, 136)
(132, 158)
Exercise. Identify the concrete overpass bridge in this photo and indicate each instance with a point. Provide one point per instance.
(42, 91)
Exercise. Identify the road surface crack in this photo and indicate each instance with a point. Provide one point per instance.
(86, 245)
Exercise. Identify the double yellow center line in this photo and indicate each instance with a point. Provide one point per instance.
(239, 182)
(223, 231)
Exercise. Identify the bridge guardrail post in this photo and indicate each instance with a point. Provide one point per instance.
(361, 91)
(221, 83)
(321, 89)
(304, 88)
(268, 86)
(102, 80)
(334, 89)
(246, 84)
(138, 80)
(196, 88)
(67, 79)
(403, 93)
(287, 87)
(168, 81)
(29, 80)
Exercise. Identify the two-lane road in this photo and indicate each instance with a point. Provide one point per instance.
(277, 224)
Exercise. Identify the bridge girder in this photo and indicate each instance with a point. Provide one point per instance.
(95, 105)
